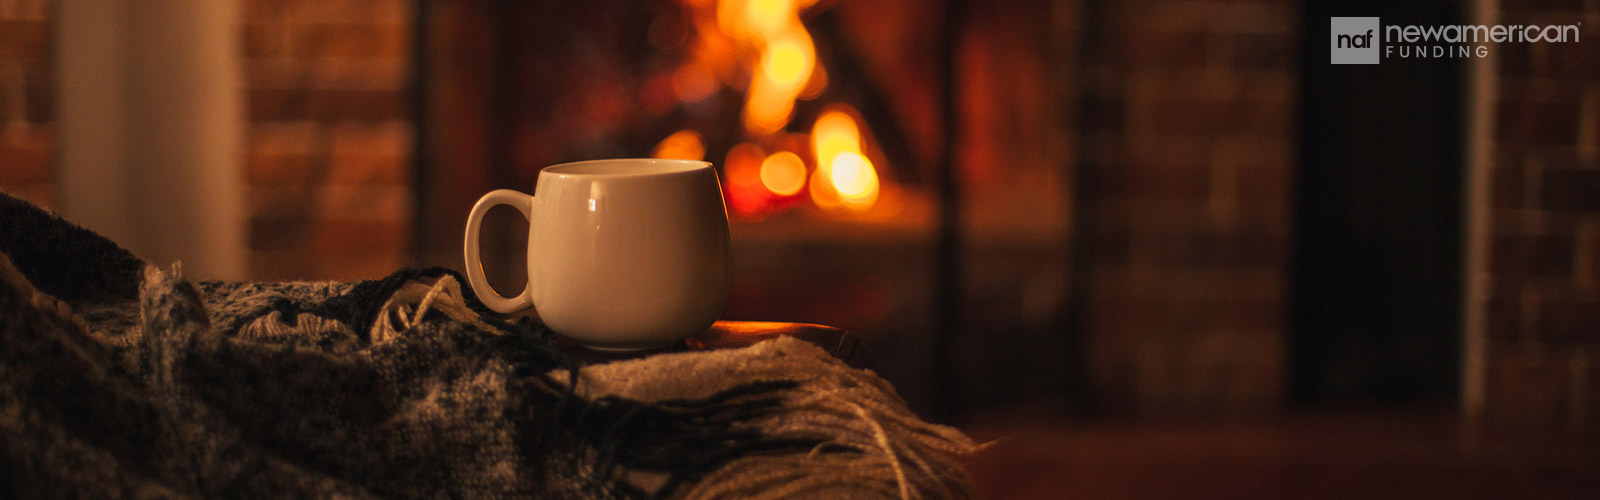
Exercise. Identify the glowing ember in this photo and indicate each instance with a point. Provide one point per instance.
(822, 192)
(747, 197)
(834, 132)
(844, 175)
(855, 180)
(683, 145)
(783, 173)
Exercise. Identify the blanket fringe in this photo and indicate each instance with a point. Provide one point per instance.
(871, 444)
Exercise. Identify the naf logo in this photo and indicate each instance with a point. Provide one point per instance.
(1356, 40)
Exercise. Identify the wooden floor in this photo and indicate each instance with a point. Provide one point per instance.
(1333, 456)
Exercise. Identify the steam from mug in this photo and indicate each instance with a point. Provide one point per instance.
(622, 254)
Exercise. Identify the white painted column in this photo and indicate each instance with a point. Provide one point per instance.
(151, 119)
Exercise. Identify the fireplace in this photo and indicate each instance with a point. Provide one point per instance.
(827, 122)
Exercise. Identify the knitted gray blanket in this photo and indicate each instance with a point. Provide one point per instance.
(119, 379)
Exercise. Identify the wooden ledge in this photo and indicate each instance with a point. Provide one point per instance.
(735, 334)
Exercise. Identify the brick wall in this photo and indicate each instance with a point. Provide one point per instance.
(1188, 209)
(329, 138)
(27, 110)
(329, 141)
(1541, 282)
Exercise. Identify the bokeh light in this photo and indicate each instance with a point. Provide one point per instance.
(783, 173)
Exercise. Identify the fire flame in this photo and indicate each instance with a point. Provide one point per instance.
(682, 145)
(855, 180)
(762, 46)
(747, 196)
(842, 164)
(834, 132)
(787, 57)
(783, 173)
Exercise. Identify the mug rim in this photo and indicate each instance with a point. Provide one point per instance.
(585, 168)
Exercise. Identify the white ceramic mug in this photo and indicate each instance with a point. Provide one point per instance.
(622, 254)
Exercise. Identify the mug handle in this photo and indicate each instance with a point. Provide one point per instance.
(523, 203)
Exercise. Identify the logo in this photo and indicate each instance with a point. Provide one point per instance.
(1356, 40)
(1364, 40)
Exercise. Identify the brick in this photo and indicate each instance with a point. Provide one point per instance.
(348, 11)
(9, 111)
(329, 73)
(1591, 394)
(1263, 211)
(327, 105)
(1515, 59)
(1221, 315)
(1590, 146)
(1111, 245)
(1213, 116)
(264, 39)
(280, 233)
(1209, 372)
(25, 163)
(1571, 190)
(370, 155)
(1550, 122)
(43, 195)
(356, 240)
(376, 203)
(358, 105)
(279, 202)
(287, 138)
(1506, 188)
(263, 10)
(390, 40)
(1573, 60)
(1192, 152)
(281, 266)
(1503, 316)
(1268, 153)
(1569, 320)
(1142, 181)
(369, 170)
(268, 105)
(24, 39)
(36, 10)
(1222, 250)
(299, 265)
(1167, 49)
(38, 92)
(1544, 7)
(1220, 17)
(1265, 185)
(1524, 384)
(1589, 254)
(1186, 284)
(1555, 158)
(266, 168)
(326, 249)
(291, 154)
(364, 73)
(1104, 113)
(1517, 255)
(1252, 51)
